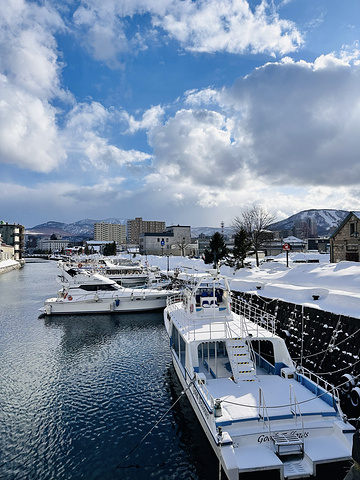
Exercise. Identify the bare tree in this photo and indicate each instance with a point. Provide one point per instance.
(255, 221)
(182, 246)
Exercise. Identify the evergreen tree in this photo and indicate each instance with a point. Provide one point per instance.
(216, 251)
(242, 244)
(110, 249)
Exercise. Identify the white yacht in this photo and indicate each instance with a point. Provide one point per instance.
(264, 417)
(124, 272)
(84, 292)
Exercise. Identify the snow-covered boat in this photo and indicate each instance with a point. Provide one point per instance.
(124, 272)
(261, 414)
(84, 292)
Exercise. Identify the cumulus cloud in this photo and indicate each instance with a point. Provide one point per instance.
(230, 26)
(301, 119)
(195, 145)
(85, 132)
(283, 128)
(28, 133)
(29, 80)
(203, 26)
(148, 121)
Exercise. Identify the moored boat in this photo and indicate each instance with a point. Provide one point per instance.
(84, 292)
(124, 272)
(261, 414)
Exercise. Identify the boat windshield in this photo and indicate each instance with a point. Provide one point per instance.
(94, 288)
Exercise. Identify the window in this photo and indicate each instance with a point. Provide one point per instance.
(353, 230)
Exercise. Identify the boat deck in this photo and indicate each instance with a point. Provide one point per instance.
(240, 400)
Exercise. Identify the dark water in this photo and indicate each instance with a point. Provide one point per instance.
(78, 393)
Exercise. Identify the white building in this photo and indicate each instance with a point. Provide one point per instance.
(110, 232)
(176, 240)
(53, 244)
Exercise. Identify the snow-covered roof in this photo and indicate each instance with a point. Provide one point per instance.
(292, 239)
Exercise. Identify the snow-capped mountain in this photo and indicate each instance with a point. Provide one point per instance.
(327, 220)
(82, 228)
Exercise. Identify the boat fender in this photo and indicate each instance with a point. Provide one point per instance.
(70, 298)
(191, 308)
(348, 382)
(65, 295)
(355, 396)
(80, 265)
(117, 302)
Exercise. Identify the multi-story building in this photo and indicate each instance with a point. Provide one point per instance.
(13, 235)
(111, 232)
(175, 240)
(6, 251)
(138, 225)
(53, 244)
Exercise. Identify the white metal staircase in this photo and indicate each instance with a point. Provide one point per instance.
(241, 359)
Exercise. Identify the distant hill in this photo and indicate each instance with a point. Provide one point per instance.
(209, 231)
(80, 229)
(326, 220)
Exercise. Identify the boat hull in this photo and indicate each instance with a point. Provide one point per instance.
(57, 306)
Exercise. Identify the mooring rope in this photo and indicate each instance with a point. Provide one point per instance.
(120, 465)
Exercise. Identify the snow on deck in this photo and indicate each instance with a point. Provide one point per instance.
(240, 400)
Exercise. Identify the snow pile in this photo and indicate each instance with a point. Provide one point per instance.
(326, 286)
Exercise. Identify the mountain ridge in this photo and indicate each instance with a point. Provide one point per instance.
(326, 219)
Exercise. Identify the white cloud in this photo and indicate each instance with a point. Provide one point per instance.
(202, 26)
(196, 146)
(149, 119)
(28, 133)
(28, 49)
(86, 136)
(29, 80)
(299, 121)
(229, 26)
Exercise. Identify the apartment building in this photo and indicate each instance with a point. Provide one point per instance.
(111, 232)
(138, 225)
(13, 235)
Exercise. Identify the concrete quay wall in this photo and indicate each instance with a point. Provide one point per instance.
(8, 268)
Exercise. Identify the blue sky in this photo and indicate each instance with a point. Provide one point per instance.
(177, 110)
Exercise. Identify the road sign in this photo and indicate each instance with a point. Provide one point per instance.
(286, 247)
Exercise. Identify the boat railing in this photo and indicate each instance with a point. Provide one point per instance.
(259, 317)
(295, 408)
(206, 396)
(188, 322)
(263, 412)
(320, 387)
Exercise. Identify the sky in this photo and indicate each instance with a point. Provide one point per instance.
(180, 111)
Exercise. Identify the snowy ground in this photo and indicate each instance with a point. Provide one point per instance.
(336, 284)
